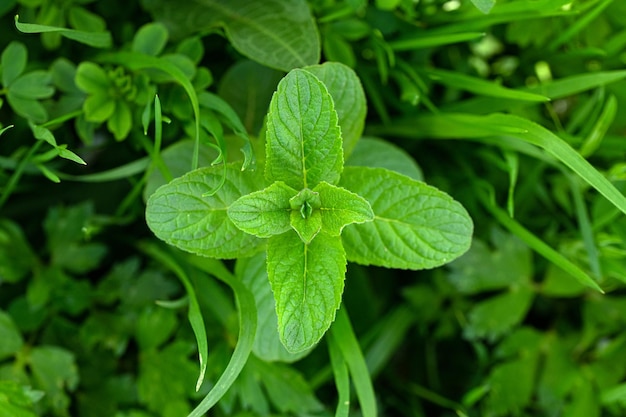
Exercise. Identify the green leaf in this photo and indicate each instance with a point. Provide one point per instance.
(16, 256)
(340, 207)
(231, 119)
(63, 73)
(267, 346)
(303, 137)
(54, 370)
(348, 96)
(98, 108)
(154, 326)
(345, 339)
(287, 388)
(95, 39)
(10, 336)
(263, 213)
(497, 315)
(481, 269)
(424, 39)
(33, 85)
(164, 377)
(91, 78)
(511, 383)
(29, 108)
(247, 331)
(120, 122)
(248, 87)
(194, 314)
(150, 39)
(276, 33)
(183, 214)
(13, 62)
(415, 226)
(305, 217)
(177, 159)
(374, 152)
(307, 281)
(17, 400)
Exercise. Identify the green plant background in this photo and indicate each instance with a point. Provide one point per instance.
(514, 108)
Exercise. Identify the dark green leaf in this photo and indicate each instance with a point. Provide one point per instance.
(13, 62)
(16, 256)
(32, 85)
(10, 336)
(150, 39)
(55, 372)
(374, 152)
(279, 34)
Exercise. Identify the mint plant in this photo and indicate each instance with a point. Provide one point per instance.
(310, 213)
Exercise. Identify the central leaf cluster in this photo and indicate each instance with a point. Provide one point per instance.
(303, 152)
(300, 210)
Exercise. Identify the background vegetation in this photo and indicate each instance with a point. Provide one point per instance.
(496, 104)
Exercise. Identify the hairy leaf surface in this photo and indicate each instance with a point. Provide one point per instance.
(415, 226)
(340, 207)
(183, 214)
(263, 213)
(277, 33)
(307, 281)
(303, 137)
(345, 88)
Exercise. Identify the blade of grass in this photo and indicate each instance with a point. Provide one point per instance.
(114, 174)
(586, 230)
(542, 137)
(495, 129)
(342, 378)
(19, 170)
(585, 19)
(535, 243)
(593, 140)
(556, 89)
(95, 39)
(424, 40)
(481, 87)
(351, 351)
(246, 308)
(386, 337)
(575, 84)
(193, 314)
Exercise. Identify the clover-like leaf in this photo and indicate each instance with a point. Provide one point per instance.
(33, 85)
(263, 213)
(303, 138)
(415, 225)
(307, 281)
(13, 62)
(184, 214)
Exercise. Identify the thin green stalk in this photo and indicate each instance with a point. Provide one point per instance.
(15, 177)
